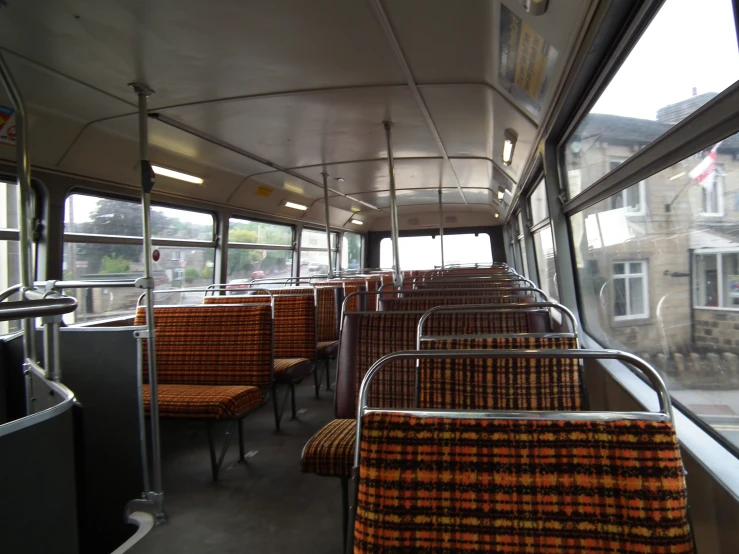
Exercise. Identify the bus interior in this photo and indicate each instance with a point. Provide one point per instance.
(369, 276)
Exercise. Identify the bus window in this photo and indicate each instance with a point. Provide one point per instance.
(313, 258)
(9, 247)
(102, 240)
(351, 252)
(651, 91)
(665, 285)
(257, 250)
(425, 252)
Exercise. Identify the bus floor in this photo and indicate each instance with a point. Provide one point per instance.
(265, 505)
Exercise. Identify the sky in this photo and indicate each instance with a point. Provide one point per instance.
(690, 43)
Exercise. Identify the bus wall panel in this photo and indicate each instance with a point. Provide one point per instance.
(99, 365)
(38, 488)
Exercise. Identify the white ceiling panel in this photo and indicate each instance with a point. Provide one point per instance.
(318, 127)
(190, 50)
(199, 152)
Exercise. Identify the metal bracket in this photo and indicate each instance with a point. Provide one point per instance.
(144, 283)
(144, 334)
(50, 319)
(151, 503)
(141, 88)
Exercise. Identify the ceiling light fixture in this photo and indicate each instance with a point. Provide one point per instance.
(501, 193)
(509, 145)
(176, 175)
(295, 206)
(681, 174)
(339, 179)
(357, 222)
(496, 216)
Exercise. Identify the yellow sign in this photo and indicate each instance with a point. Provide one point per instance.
(263, 191)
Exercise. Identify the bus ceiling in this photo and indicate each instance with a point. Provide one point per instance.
(255, 100)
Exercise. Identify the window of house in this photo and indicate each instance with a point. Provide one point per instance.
(103, 240)
(313, 256)
(351, 252)
(713, 193)
(630, 290)
(9, 247)
(716, 280)
(688, 75)
(258, 250)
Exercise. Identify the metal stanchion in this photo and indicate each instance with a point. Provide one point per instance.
(153, 500)
(328, 225)
(398, 276)
(441, 228)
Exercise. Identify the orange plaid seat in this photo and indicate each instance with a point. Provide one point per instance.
(486, 485)
(294, 331)
(330, 451)
(204, 401)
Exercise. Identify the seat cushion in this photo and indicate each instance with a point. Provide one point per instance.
(204, 401)
(289, 369)
(330, 451)
(328, 349)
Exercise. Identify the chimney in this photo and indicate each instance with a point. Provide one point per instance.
(695, 91)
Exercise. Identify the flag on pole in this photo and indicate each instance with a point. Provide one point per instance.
(705, 172)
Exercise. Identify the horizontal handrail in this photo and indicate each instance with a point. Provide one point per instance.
(62, 392)
(92, 284)
(24, 309)
(658, 385)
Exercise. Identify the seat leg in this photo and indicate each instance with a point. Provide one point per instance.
(215, 465)
(316, 382)
(328, 375)
(345, 507)
(292, 399)
(275, 404)
(241, 440)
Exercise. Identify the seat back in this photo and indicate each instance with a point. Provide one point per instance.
(440, 484)
(294, 321)
(211, 345)
(366, 337)
(498, 383)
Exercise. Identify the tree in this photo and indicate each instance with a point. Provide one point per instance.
(114, 264)
(241, 261)
(191, 275)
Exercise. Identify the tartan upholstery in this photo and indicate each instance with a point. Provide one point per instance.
(426, 303)
(295, 322)
(292, 290)
(203, 401)
(512, 486)
(326, 314)
(513, 384)
(328, 349)
(330, 452)
(211, 345)
(382, 333)
(289, 369)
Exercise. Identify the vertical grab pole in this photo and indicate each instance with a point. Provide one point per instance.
(441, 228)
(24, 214)
(156, 496)
(398, 276)
(328, 225)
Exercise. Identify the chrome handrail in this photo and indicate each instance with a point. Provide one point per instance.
(26, 309)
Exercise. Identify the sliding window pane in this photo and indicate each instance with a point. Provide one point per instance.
(544, 248)
(687, 56)
(243, 231)
(665, 286)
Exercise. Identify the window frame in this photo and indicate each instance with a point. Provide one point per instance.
(627, 277)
